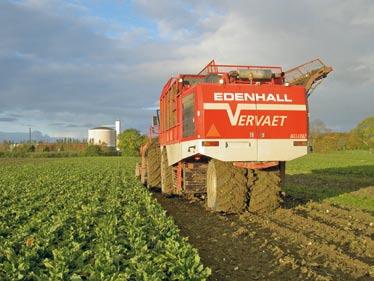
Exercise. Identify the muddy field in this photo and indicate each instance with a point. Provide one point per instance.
(309, 241)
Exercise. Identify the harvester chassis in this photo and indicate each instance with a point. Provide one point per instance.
(226, 186)
(225, 134)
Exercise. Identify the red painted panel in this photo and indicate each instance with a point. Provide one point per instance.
(242, 111)
(236, 111)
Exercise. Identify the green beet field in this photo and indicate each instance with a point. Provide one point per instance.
(87, 219)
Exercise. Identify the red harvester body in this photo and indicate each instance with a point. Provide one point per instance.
(231, 121)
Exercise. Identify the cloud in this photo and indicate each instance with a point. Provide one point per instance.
(7, 119)
(70, 125)
(54, 64)
(87, 125)
(289, 33)
(63, 65)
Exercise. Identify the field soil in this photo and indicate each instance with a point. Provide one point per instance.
(313, 241)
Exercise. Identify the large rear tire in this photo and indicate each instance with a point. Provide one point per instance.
(137, 170)
(167, 175)
(143, 175)
(265, 189)
(226, 187)
(154, 165)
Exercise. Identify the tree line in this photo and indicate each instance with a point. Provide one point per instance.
(323, 139)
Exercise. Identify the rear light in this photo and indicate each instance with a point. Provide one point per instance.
(300, 143)
(210, 143)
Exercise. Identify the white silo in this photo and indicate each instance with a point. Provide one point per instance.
(102, 136)
(118, 127)
(118, 131)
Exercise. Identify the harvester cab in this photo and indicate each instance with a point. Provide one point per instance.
(226, 132)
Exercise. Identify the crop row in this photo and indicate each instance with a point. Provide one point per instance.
(87, 219)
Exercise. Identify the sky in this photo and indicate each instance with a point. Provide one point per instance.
(66, 66)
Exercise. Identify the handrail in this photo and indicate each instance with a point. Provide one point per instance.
(308, 74)
(212, 67)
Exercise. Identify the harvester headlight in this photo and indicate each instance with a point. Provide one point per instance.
(300, 143)
(221, 81)
(210, 143)
(180, 80)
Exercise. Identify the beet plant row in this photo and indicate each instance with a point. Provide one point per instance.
(87, 219)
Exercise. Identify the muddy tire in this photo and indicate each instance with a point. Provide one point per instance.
(154, 165)
(143, 174)
(226, 187)
(167, 186)
(264, 190)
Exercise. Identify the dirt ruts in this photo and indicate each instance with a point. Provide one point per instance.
(308, 242)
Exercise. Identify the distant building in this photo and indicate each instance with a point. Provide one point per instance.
(102, 136)
(105, 135)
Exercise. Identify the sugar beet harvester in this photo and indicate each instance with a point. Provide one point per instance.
(226, 133)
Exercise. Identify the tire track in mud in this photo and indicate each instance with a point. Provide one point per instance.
(314, 256)
(231, 251)
(322, 239)
(309, 242)
(359, 222)
(358, 247)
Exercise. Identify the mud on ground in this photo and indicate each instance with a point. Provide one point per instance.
(307, 242)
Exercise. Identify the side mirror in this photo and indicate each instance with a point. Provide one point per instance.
(155, 121)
